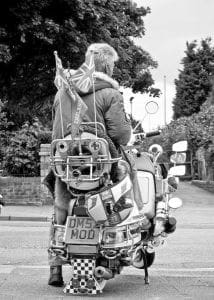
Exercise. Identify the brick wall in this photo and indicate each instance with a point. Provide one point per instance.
(22, 191)
(29, 190)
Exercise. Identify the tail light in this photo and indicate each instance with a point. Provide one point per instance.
(115, 236)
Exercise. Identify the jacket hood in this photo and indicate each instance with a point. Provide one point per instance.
(101, 77)
(101, 81)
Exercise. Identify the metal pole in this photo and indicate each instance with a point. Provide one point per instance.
(131, 100)
(164, 93)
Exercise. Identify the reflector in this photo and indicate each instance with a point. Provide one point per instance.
(175, 203)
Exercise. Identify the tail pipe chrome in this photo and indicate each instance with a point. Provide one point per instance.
(102, 272)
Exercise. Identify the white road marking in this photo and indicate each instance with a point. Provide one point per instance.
(5, 269)
(210, 269)
(171, 272)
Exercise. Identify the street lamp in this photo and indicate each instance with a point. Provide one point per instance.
(164, 79)
(131, 100)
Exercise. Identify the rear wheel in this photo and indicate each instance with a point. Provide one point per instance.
(139, 262)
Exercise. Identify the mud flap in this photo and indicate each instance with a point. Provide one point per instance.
(83, 280)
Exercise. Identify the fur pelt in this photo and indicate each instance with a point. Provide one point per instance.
(105, 77)
(97, 75)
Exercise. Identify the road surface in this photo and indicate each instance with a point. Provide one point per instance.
(183, 269)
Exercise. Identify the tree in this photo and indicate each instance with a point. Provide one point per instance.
(197, 129)
(22, 154)
(211, 96)
(31, 30)
(194, 81)
(4, 130)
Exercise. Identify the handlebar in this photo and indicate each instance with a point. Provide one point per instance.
(153, 133)
(143, 135)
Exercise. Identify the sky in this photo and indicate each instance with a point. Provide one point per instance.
(169, 26)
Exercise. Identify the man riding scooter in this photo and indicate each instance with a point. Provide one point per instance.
(109, 112)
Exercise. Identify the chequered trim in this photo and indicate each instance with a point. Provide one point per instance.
(84, 267)
(83, 278)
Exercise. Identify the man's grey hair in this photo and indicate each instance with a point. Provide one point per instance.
(104, 57)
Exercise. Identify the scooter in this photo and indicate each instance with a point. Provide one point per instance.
(105, 231)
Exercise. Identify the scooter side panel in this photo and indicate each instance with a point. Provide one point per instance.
(147, 188)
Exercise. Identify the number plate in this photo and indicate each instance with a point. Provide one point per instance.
(80, 230)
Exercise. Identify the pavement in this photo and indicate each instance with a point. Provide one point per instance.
(183, 268)
(44, 213)
(26, 213)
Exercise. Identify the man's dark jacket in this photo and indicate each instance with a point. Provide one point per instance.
(109, 108)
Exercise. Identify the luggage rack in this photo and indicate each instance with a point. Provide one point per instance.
(81, 168)
(78, 162)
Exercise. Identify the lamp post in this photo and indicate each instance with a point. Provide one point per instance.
(164, 94)
(131, 100)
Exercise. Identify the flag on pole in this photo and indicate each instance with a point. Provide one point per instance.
(68, 114)
(58, 61)
(59, 72)
(71, 109)
(83, 77)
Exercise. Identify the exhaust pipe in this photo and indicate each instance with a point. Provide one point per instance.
(102, 272)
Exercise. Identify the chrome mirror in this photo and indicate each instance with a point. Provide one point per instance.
(151, 107)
